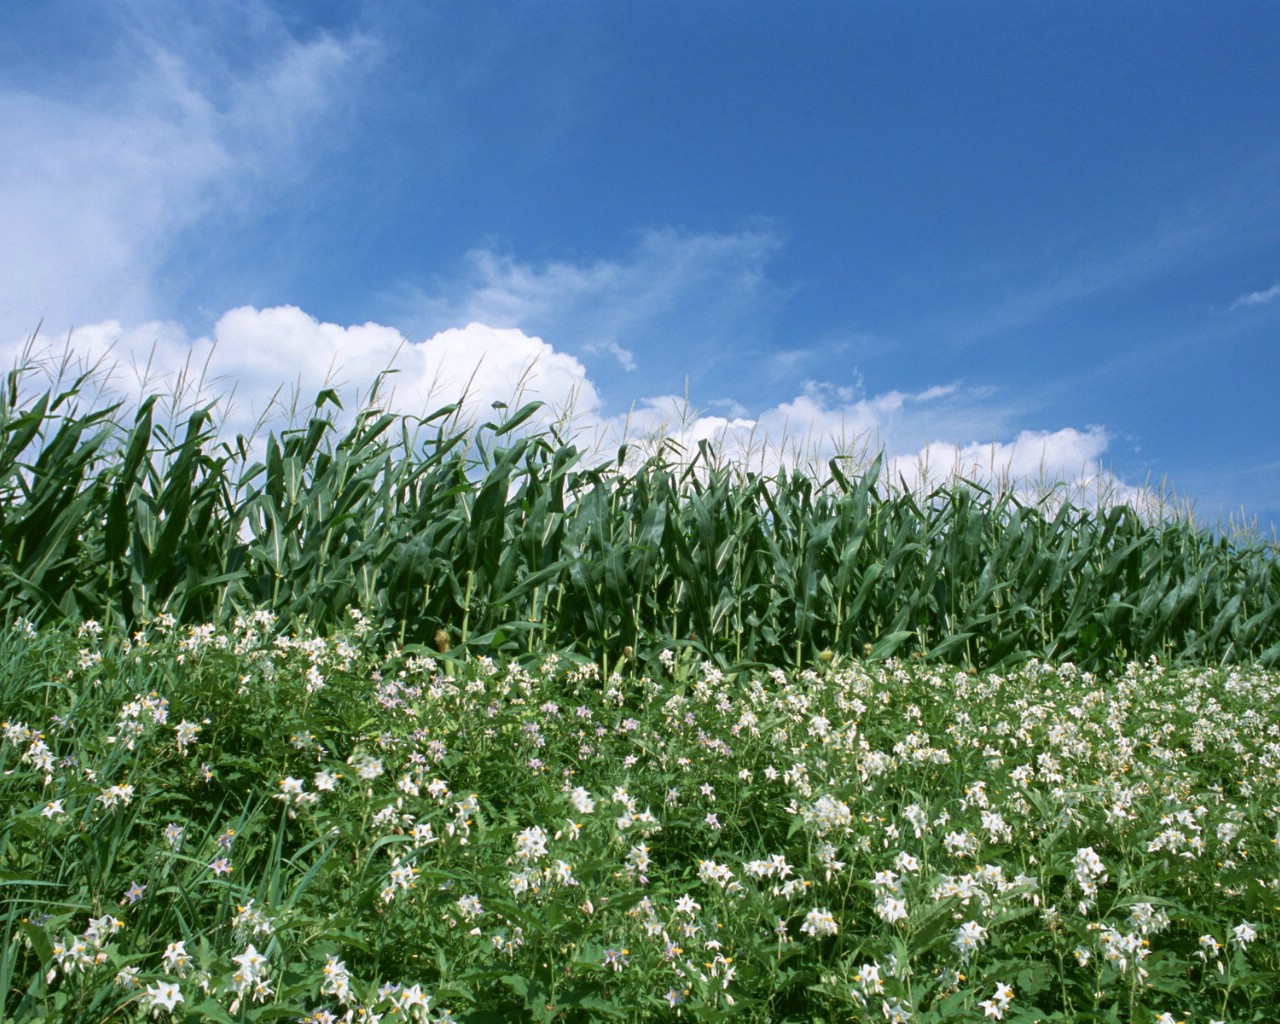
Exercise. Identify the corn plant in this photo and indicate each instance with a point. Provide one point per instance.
(507, 536)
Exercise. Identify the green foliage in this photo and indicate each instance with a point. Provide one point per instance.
(499, 538)
(252, 825)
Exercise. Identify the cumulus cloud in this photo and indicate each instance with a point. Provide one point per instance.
(260, 362)
(921, 434)
(1032, 458)
(1258, 298)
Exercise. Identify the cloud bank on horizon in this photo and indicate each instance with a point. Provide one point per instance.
(263, 367)
(280, 202)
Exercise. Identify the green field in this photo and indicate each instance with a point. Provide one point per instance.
(410, 720)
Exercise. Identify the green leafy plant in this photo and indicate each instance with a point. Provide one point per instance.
(254, 824)
(505, 537)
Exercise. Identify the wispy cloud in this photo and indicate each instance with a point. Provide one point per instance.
(674, 304)
(625, 357)
(1258, 298)
(105, 174)
(1228, 216)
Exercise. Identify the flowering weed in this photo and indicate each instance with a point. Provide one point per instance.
(247, 824)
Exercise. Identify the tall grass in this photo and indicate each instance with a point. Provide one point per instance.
(512, 538)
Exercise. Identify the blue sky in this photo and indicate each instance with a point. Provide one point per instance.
(1035, 234)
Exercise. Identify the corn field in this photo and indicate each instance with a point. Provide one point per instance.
(509, 538)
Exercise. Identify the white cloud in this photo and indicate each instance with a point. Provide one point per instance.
(824, 423)
(271, 357)
(104, 174)
(1258, 298)
(1032, 457)
(663, 266)
(260, 362)
(625, 357)
(676, 303)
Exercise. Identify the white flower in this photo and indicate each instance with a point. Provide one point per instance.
(686, 905)
(895, 1011)
(368, 768)
(868, 977)
(969, 937)
(999, 1002)
(563, 873)
(250, 920)
(775, 866)
(185, 733)
(176, 957)
(531, 844)
(411, 997)
(291, 789)
(828, 815)
(163, 994)
(1244, 933)
(961, 843)
(113, 795)
(251, 962)
(891, 910)
(720, 874)
(819, 922)
(337, 980)
(1088, 865)
(1090, 872)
